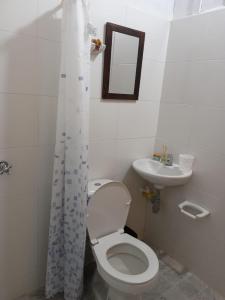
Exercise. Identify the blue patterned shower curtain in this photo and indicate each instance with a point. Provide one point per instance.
(67, 232)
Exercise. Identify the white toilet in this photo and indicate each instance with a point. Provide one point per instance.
(128, 266)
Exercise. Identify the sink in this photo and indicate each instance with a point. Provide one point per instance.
(160, 175)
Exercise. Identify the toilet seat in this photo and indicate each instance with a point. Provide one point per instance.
(108, 242)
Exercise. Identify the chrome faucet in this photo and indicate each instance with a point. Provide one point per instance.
(166, 159)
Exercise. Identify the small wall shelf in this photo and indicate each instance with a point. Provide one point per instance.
(193, 210)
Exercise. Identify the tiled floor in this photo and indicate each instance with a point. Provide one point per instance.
(170, 286)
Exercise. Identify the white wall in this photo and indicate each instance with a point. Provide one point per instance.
(183, 8)
(122, 131)
(29, 60)
(192, 120)
(160, 8)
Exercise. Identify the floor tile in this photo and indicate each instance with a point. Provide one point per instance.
(170, 286)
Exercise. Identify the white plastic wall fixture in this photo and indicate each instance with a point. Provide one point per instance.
(202, 211)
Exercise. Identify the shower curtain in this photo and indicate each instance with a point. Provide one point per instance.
(67, 232)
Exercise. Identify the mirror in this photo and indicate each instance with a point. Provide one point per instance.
(122, 62)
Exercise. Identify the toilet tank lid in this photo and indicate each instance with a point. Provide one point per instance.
(94, 185)
(108, 209)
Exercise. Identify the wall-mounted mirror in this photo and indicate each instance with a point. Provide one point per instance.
(122, 62)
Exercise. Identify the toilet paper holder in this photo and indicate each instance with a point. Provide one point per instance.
(193, 210)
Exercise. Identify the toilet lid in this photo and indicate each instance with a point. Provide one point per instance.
(108, 209)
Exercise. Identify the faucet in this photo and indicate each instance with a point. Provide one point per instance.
(166, 159)
(164, 154)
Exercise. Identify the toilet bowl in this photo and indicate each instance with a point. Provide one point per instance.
(127, 265)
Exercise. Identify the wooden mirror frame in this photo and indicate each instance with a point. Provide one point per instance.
(110, 27)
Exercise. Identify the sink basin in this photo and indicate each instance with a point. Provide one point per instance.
(158, 174)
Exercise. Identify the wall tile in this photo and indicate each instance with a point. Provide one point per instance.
(128, 150)
(202, 37)
(18, 246)
(48, 59)
(209, 174)
(137, 120)
(175, 124)
(22, 180)
(207, 124)
(96, 73)
(19, 16)
(46, 108)
(44, 180)
(145, 21)
(162, 9)
(151, 80)
(102, 159)
(17, 120)
(194, 43)
(177, 82)
(156, 48)
(207, 83)
(17, 63)
(110, 11)
(103, 119)
(49, 19)
(45, 160)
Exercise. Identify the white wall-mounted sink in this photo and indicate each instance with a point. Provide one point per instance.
(160, 175)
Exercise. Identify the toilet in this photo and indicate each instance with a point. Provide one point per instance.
(127, 265)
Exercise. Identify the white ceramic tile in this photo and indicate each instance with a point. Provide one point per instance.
(130, 150)
(45, 169)
(96, 71)
(183, 8)
(214, 23)
(194, 43)
(103, 119)
(49, 19)
(19, 16)
(164, 9)
(47, 114)
(18, 64)
(48, 59)
(177, 82)
(174, 125)
(207, 124)
(19, 249)
(206, 83)
(43, 215)
(17, 120)
(45, 160)
(107, 11)
(102, 159)
(209, 174)
(151, 80)
(137, 119)
(193, 82)
(202, 37)
(22, 180)
(145, 21)
(155, 48)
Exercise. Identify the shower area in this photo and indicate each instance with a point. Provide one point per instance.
(56, 133)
